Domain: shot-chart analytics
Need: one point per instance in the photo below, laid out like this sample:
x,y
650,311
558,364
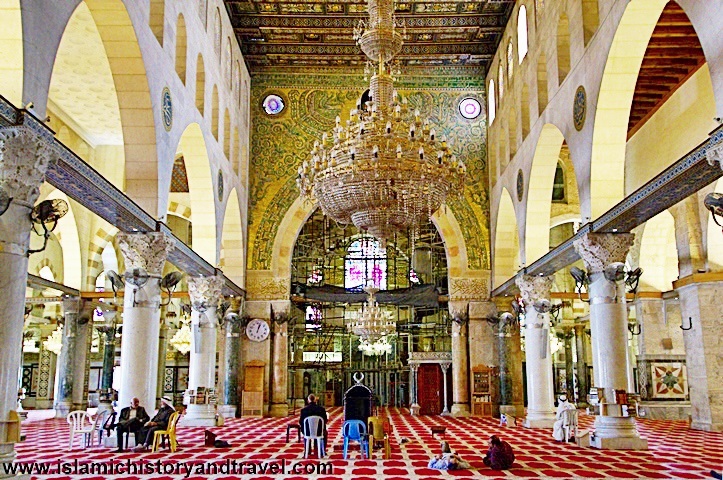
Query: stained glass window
x,y
365,264
273,104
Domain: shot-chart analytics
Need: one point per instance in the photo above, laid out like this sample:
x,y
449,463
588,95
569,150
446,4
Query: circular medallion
x,y
167,109
273,104
520,185
579,108
470,108
220,185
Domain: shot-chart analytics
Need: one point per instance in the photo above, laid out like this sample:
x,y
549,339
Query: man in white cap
x,y
158,422
558,433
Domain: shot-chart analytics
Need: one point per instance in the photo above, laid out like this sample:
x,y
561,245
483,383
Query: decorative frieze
x,y
461,289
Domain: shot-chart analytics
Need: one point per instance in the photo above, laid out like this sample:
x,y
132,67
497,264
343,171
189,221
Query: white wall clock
x,y
257,330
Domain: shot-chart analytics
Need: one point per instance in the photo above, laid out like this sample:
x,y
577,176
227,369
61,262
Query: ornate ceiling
x,y
443,37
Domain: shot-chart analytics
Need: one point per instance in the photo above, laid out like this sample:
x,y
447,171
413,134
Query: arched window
x,y
522,33
491,102
501,80
365,264
558,185
510,61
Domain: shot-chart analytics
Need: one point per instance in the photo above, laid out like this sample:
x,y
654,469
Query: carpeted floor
x,y
675,452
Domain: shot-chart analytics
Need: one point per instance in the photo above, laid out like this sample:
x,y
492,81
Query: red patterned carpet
x,y
675,452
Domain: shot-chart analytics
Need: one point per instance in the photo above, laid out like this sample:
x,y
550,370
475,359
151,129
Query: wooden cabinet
x,y
252,398
482,392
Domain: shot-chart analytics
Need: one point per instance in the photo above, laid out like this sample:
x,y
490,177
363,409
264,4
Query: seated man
x,y
131,420
448,460
558,432
499,456
158,422
313,409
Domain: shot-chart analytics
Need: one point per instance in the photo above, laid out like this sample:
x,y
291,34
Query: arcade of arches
x,y
173,132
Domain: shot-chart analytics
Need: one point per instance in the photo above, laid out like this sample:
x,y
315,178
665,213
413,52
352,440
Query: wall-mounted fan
x,y
116,283
46,214
138,278
169,283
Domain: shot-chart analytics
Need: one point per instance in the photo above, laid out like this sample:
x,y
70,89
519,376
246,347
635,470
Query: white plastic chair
x,y
99,423
315,427
80,423
569,423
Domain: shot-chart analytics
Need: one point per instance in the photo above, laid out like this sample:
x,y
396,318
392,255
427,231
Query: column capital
x,y
714,155
598,250
145,250
205,290
534,288
445,366
25,156
71,305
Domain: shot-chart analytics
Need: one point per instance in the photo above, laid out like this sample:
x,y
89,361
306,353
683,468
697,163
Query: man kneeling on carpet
x,y
500,455
158,422
448,460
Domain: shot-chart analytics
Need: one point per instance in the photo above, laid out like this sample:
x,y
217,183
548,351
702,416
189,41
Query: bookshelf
x,y
481,392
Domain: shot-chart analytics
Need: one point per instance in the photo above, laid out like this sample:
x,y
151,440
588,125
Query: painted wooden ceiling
x,y
443,37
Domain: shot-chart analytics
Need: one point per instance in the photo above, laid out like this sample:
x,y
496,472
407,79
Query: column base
x,y
414,409
7,455
706,426
460,410
63,409
517,411
199,416
299,403
539,421
619,443
227,411
279,410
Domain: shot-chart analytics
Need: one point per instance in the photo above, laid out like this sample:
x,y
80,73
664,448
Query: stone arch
x,y
539,193
506,242
217,32
522,40
607,167
156,19
201,191
181,47
100,239
563,48
11,51
228,63
590,19
658,254
541,83
67,234
237,81
233,256
200,85
214,112
227,135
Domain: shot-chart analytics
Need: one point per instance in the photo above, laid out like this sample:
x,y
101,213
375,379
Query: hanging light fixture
x,y
385,170
372,323
181,341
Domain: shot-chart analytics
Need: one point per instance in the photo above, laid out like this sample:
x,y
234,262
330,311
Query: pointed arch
x,y
155,19
200,85
217,33
11,51
541,83
539,193
227,135
658,254
181,48
214,112
200,185
590,19
522,42
506,242
563,48
492,107
232,241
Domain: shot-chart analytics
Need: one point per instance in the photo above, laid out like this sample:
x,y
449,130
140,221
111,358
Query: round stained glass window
x,y
273,104
470,108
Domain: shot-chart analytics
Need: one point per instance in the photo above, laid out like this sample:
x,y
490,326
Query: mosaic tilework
x,y
675,451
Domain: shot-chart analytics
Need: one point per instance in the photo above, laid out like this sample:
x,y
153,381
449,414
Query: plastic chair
x,y
80,423
379,432
355,430
313,431
569,423
170,431
100,424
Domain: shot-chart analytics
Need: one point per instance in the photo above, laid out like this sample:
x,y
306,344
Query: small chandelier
x,y
181,341
54,343
376,349
373,323
385,171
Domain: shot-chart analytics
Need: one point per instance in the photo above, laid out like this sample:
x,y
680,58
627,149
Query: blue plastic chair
x,y
356,430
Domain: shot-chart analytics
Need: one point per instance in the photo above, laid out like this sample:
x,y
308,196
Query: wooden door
x,y
429,389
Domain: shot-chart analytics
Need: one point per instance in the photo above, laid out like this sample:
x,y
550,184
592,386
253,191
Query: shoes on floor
x,y
140,448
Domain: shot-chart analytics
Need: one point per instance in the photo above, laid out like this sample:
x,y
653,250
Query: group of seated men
x,y
135,419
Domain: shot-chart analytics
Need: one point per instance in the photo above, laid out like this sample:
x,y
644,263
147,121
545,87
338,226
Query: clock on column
x,y
257,330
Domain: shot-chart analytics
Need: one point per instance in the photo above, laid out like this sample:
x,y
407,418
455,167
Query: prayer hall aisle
x,y
675,451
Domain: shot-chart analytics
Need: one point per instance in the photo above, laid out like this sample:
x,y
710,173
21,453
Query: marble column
x,y
510,359
567,336
280,363
604,255
700,307
581,366
64,399
81,356
233,329
460,354
205,293
162,351
26,151
299,376
414,406
445,368
46,370
106,383
141,317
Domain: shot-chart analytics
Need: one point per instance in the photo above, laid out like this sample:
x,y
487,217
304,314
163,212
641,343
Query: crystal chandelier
x,y
181,341
376,349
373,323
385,170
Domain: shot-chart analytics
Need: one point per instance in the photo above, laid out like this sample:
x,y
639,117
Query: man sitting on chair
x,y
158,422
313,409
558,432
131,420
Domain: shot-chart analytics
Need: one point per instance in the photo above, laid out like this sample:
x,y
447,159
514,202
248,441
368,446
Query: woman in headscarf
x,y
500,455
